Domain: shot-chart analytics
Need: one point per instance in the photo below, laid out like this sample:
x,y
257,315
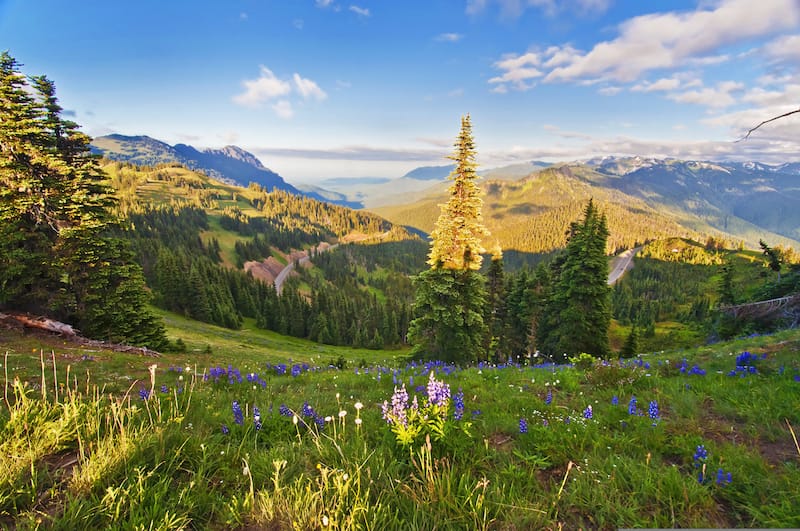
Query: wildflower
x,y
587,413
614,400
238,414
144,394
523,425
284,411
700,455
545,423
307,410
342,414
549,398
652,411
632,406
397,413
438,392
358,406
225,429
358,421
257,418
164,389
722,479
458,404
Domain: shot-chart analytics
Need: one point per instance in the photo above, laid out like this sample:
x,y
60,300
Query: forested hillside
x,y
193,235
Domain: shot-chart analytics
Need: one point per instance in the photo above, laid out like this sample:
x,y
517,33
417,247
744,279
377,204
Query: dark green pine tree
x,y
495,318
58,257
451,296
579,309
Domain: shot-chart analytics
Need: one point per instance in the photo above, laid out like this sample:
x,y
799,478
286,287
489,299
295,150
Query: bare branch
x,y
745,137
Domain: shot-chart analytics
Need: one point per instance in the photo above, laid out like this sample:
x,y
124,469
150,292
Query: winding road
x,y
284,274
620,264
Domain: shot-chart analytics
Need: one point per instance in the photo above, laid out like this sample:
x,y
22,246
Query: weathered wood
x,y
42,323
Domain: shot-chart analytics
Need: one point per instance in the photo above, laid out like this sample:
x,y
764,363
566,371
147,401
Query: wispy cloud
x,y
357,153
716,97
283,108
269,87
308,89
360,11
511,9
264,88
448,37
323,3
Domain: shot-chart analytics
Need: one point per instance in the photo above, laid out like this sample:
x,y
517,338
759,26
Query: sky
x,y
338,88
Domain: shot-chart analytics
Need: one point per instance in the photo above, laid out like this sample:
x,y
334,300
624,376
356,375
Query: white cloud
x,y
269,87
284,109
609,91
662,84
718,97
515,8
360,11
784,48
266,87
670,40
518,69
448,37
323,3
308,89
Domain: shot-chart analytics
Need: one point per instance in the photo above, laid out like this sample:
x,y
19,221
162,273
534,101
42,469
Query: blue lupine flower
x,y
284,411
549,398
587,413
723,478
307,410
164,389
567,420
523,425
700,455
796,378
144,394
476,412
652,410
225,429
458,404
257,418
238,414
632,406
614,400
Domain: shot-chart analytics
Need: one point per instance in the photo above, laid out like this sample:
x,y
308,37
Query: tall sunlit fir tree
x,y
451,295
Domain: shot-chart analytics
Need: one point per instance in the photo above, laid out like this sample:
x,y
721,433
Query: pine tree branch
x,y
784,115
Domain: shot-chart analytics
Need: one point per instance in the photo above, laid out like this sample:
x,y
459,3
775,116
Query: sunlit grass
x,y
102,456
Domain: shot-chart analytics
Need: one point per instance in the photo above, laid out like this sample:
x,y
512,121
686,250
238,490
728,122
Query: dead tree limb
x,y
784,115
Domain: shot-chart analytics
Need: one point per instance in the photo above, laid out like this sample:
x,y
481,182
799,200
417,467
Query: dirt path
x,y
286,271
620,264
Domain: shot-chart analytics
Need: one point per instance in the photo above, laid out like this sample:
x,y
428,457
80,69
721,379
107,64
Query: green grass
x,y
99,456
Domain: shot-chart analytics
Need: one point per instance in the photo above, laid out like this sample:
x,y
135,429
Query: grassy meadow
x,y
252,430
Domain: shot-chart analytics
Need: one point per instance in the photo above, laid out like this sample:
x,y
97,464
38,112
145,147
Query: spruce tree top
x,y
456,240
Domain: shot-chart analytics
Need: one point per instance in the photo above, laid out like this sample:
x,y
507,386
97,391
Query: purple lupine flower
x,y
307,410
284,411
397,412
438,392
523,425
614,400
144,394
549,398
164,389
723,478
225,429
238,414
587,413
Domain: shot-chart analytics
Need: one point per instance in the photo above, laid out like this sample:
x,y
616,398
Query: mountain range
x,y
744,201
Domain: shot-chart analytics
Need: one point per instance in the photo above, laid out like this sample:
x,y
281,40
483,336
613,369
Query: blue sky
x,y
330,88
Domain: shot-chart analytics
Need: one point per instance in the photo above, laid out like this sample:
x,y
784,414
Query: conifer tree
x,y
56,253
451,295
579,309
